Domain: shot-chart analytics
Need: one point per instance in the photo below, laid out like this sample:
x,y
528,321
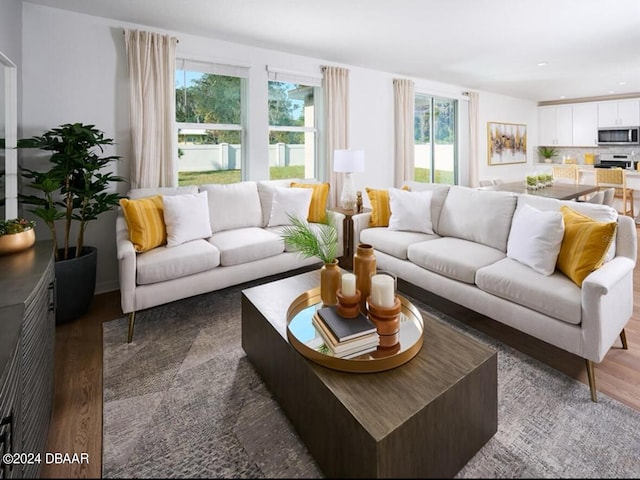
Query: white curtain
x,y
404,108
335,82
474,162
151,65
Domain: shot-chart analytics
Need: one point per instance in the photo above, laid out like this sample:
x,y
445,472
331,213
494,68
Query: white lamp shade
x,y
348,160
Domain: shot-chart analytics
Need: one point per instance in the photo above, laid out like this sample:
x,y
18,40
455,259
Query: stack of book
x,y
345,337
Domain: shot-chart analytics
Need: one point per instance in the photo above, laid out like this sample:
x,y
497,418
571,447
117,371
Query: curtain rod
x,y
124,33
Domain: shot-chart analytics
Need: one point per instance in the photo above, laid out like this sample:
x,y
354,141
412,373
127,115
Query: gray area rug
x,y
183,401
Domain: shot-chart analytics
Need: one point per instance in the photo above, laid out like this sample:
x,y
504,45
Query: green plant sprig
x,y
15,225
321,241
548,152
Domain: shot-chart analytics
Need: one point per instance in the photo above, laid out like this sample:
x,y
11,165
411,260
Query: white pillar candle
x,y
382,291
348,284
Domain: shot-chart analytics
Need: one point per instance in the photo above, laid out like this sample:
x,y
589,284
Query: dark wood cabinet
x,y
27,341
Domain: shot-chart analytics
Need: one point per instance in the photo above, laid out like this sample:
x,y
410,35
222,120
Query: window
x,y
293,120
210,113
435,118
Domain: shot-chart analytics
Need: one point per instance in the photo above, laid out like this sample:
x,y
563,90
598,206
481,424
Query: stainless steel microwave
x,y
619,136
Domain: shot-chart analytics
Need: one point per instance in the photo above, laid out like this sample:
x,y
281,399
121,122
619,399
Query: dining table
x,y
559,190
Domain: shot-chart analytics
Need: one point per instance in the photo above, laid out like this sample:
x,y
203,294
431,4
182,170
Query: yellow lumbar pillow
x,y
318,206
145,221
380,206
584,245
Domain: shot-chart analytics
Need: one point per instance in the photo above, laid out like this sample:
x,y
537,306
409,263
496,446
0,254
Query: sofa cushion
x,y
453,257
318,207
555,295
600,213
584,245
481,216
292,201
535,238
145,222
236,205
438,195
246,245
266,189
164,263
392,242
410,211
186,217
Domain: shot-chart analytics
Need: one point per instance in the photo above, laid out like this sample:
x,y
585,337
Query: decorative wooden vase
x,y
348,306
16,242
330,279
364,265
387,321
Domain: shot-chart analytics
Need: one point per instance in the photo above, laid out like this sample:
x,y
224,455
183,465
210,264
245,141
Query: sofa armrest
x,y
627,238
126,265
360,222
607,306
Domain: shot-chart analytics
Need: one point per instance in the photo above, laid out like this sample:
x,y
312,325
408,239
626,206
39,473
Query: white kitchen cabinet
x,y
555,125
585,124
620,113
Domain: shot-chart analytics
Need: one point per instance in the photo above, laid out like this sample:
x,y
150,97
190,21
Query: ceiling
x,y
591,47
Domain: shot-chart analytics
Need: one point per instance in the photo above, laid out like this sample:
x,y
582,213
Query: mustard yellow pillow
x,y
584,245
145,222
318,206
380,206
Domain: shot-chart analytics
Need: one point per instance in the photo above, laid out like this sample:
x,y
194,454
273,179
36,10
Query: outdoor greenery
x,y
75,187
233,176
321,242
443,120
441,176
15,225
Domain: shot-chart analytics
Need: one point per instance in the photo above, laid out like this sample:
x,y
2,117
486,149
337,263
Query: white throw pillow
x,y
186,217
535,238
410,211
293,200
233,205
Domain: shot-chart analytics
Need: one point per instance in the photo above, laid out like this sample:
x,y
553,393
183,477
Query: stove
x,y
615,160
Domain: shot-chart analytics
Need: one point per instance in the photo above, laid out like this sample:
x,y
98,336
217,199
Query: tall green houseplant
x,y
74,187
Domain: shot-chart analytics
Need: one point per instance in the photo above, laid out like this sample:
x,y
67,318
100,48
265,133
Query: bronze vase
x,y
364,265
330,281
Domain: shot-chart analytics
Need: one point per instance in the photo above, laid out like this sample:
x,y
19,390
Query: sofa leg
x,y
132,317
592,380
623,339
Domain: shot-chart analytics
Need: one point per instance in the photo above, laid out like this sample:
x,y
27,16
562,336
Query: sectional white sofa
x,y
465,261
242,247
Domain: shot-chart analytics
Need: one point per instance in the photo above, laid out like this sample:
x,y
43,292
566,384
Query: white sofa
x,y
465,261
242,247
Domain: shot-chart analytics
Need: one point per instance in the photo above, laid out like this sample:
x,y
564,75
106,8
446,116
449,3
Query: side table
x,y
346,261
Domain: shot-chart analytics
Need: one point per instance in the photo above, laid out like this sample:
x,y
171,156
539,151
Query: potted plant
x,y
547,153
319,240
16,234
73,191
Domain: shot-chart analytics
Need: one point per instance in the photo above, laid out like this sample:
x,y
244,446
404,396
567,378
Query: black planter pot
x,y
75,283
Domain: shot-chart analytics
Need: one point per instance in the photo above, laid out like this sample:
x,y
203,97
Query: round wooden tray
x,y
303,337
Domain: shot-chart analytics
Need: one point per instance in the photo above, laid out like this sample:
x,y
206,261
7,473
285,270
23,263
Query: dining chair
x,y
597,197
608,196
485,183
617,179
566,173
497,181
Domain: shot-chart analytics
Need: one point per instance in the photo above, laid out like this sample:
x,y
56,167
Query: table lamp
x,y
348,161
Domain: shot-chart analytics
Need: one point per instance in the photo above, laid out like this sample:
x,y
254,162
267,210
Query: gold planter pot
x,y
16,242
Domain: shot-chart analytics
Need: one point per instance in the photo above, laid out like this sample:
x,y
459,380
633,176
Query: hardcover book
x,y
346,328
371,339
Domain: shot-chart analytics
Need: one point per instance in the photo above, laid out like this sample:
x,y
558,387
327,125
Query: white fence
x,y
225,156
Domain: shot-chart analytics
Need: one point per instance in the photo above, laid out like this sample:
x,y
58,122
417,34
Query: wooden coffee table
x,y
426,418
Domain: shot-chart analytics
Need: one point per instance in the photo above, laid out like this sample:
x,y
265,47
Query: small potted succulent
x,y
547,153
16,234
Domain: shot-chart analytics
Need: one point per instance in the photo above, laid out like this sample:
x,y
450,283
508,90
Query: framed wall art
x,y
507,143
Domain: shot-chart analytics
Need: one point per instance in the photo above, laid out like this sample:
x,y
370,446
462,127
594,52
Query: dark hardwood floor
x,y
76,426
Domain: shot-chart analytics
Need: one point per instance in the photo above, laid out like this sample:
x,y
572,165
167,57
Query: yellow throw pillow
x,y
318,206
380,206
584,245
145,221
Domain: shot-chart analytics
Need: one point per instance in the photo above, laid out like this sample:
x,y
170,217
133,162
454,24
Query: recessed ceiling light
x,y
563,96
611,92
622,83
542,64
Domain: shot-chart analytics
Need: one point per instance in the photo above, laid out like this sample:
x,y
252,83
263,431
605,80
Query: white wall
x,y
75,70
